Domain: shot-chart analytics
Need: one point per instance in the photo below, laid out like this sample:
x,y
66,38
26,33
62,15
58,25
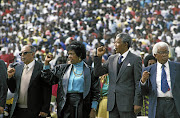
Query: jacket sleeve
x,y
137,76
95,87
52,76
144,88
100,69
47,91
3,84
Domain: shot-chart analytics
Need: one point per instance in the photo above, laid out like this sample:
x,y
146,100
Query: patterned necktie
x,y
164,83
120,59
26,69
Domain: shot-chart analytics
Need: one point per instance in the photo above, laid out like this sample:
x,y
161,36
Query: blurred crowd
x,y
50,25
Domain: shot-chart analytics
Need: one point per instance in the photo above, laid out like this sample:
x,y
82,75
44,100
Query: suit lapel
x,y
87,80
153,71
65,79
124,65
172,69
19,70
35,72
115,63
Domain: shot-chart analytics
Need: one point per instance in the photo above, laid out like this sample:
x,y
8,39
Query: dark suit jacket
x,y
3,83
125,84
39,93
60,75
150,88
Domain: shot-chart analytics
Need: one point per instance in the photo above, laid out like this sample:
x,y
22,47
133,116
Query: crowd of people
x,y
50,26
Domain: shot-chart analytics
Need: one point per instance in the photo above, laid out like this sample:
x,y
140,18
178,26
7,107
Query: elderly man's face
x,y
162,55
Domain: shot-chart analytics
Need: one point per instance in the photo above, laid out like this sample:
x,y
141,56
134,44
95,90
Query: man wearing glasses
x,y
161,83
32,96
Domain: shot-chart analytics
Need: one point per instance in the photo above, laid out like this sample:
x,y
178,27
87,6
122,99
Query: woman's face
x,y
150,62
73,58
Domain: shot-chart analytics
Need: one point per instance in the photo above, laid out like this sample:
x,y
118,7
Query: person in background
x,y
102,110
5,57
148,60
78,90
3,86
31,95
161,82
124,70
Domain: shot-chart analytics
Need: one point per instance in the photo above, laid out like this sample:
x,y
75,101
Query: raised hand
x,y
145,76
11,72
100,51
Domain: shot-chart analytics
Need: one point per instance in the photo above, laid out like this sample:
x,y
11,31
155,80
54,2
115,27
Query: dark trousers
x,y
166,108
24,113
115,113
73,107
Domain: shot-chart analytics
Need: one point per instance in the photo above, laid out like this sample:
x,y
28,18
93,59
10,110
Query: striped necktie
x,y
164,83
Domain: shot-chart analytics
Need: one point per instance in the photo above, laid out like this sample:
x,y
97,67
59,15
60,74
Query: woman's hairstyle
x,y
79,48
125,38
157,45
147,58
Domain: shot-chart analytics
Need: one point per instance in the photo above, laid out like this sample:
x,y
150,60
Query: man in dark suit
x,y
161,83
124,69
32,96
3,86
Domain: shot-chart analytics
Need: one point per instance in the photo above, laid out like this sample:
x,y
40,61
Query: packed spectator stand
x,y
50,25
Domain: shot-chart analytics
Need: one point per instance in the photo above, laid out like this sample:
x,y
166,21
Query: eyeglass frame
x,y
163,52
24,53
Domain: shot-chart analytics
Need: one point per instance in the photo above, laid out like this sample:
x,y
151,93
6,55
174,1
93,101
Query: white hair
x,y
158,45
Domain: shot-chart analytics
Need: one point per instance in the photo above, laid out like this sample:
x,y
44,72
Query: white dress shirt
x,y
158,80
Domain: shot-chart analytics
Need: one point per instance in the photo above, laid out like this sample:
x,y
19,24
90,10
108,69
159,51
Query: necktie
x,y
164,83
120,59
26,69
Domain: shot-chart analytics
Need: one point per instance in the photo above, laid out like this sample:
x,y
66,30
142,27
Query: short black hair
x,y
147,58
79,48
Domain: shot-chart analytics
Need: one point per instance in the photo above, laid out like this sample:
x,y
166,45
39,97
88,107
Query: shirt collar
x,y
78,64
30,65
159,65
124,54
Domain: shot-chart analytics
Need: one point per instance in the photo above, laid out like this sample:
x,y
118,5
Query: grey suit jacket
x,y
123,88
150,88
3,83
39,93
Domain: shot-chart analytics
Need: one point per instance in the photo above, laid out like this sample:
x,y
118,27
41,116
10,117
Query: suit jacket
x,y
150,88
39,93
123,87
60,75
3,83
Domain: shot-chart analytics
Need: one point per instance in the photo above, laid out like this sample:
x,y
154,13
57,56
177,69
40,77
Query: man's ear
x,y
155,55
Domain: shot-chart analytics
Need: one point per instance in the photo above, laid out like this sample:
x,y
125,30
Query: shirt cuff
x,y
143,83
94,104
46,67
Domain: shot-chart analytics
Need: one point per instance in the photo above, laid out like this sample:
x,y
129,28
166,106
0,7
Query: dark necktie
x,y
164,83
119,64
120,59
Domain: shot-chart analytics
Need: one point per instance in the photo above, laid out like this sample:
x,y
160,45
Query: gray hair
x,y
157,45
125,38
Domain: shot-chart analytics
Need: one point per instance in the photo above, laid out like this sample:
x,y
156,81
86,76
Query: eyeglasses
x,y
24,53
163,52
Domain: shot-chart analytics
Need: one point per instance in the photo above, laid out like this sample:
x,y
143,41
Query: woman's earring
x,y
79,59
